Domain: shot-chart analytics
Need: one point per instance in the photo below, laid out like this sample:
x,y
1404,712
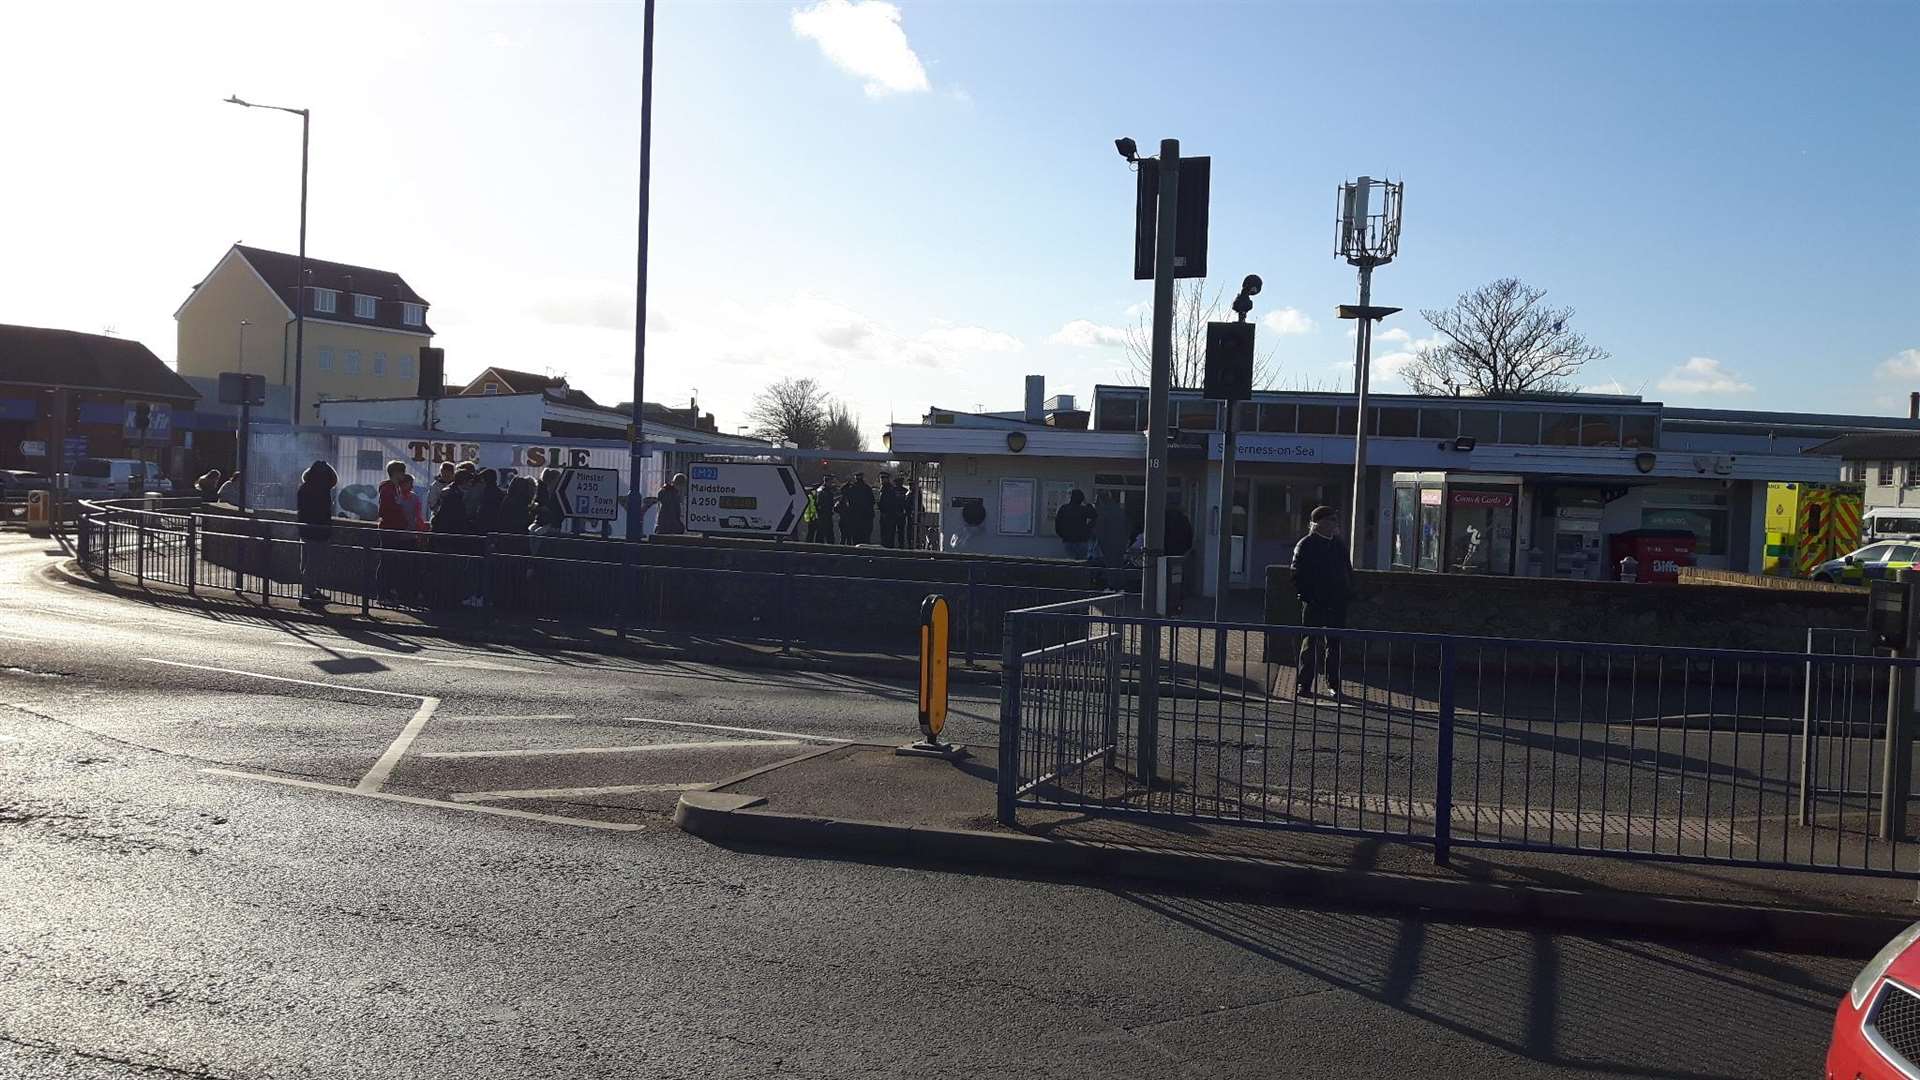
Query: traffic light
x,y
142,415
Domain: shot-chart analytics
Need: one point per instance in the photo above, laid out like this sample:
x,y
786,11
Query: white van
x,y
96,477
1890,523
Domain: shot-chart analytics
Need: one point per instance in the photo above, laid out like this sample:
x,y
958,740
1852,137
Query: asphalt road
x,y
343,898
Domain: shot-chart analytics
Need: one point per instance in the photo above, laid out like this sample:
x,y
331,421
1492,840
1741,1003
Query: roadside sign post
x,y
936,641
591,493
743,498
246,391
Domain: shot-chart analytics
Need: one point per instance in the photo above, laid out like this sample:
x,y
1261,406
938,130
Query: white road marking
x,y
415,800
383,768
278,678
530,716
573,792
636,749
746,730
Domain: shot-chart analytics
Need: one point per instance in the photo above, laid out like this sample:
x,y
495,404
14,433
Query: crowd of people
x,y
1109,536
845,513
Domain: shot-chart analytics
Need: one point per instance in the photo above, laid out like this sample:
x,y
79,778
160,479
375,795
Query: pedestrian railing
x,y
1763,759
596,583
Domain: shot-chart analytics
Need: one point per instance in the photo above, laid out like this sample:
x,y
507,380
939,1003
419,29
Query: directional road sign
x,y
591,493
743,498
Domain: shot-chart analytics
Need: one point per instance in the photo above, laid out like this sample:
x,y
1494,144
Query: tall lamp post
x,y
638,438
1366,238
300,283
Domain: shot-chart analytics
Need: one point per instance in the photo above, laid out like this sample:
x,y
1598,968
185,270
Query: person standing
x,y
821,505
208,486
893,513
516,510
672,519
1112,531
412,504
486,515
230,490
313,507
1323,579
1073,524
442,483
393,517
856,511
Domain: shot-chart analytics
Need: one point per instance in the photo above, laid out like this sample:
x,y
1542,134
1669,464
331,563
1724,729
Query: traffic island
x,y
868,804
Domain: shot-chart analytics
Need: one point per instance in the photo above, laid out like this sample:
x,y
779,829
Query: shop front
x,y
1459,523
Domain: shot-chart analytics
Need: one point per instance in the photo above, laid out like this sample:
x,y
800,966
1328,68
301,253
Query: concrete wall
x,y
1699,615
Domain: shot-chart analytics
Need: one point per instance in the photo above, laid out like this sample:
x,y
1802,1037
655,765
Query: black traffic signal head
x,y
1128,149
142,415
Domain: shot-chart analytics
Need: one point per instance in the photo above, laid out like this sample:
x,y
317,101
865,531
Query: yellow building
x,y
364,327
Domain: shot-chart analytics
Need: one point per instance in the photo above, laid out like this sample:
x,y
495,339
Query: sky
x,y
917,203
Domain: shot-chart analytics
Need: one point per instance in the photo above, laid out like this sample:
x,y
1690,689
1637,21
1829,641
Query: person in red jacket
x,y
394,516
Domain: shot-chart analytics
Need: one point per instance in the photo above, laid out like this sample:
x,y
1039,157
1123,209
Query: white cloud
x,y
1395,336
970,339
864,39
1904,364
1288,321
1703,375
1086,334
1390,365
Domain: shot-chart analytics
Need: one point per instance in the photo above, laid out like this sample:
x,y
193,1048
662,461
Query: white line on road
x,y
637,749
278,678
573,792
383,768
415,800
488,718
746,730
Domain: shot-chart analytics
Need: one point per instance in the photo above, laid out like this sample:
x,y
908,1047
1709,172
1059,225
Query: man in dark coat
x,y
856,511
1073,524
1322,578
893,513
313,507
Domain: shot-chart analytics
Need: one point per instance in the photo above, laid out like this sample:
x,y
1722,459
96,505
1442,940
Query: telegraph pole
x,y
1166,219
639,438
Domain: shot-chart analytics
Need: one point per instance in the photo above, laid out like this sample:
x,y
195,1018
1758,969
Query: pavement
x,y
246,845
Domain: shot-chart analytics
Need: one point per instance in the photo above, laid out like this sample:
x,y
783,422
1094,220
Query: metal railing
x,y
1763,759
595,583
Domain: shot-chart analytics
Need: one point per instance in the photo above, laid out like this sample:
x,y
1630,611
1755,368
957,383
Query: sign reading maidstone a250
x,y
743,498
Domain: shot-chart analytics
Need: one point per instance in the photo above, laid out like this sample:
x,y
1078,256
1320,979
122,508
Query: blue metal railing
x,y
1645,752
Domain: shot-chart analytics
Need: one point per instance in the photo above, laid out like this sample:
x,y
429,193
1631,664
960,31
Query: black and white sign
x,y
33,447
591,493
743,498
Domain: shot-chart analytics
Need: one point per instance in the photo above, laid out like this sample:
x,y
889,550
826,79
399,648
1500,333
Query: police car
x,y
1873,561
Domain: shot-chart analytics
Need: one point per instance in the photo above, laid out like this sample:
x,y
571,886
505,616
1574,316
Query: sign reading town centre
x,y
591,493
743,498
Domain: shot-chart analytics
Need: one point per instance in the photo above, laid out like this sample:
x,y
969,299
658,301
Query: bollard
x,y
1009,778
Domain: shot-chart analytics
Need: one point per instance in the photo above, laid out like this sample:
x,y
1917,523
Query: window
x,y
1118,413
1016,507
1439,423
1560,429
350,362
1481,425
1196,415
1277,418
326,359
1520,428
1902,553
326,301
490,388
364,306
379,363
413,314
1883,475
1855,472
1639,432
1872,554
1597,430
1399,423
404,364
1317,419
1913,472
1709,527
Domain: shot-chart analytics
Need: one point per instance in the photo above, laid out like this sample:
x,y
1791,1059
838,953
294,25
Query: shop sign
x,y
1430,497
1490,499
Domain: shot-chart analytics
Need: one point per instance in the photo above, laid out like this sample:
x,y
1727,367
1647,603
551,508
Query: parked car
x,y
102,477
1873,561
1876,1029
1891,523
15,483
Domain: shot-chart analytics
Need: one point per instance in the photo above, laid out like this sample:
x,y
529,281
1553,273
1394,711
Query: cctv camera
x,y
1128,149
1251,286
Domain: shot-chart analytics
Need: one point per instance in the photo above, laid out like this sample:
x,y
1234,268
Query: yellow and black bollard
x,y
935,643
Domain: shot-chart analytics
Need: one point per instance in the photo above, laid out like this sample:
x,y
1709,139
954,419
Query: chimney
x,y
1036,399
1913,405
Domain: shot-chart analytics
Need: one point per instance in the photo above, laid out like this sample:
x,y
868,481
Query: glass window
x,y
1902,553
1599,430
1480,539
1482,425
1317,420
325,301
1277,418
1639,431
1709,527
379,363
1560,429
404,364
1883,475
1245,416
1196,415
1347,414
326,359
1431,513
364,307
1855,472
1520,428
1119,413
413,314
350,362
1406,526
1439,423
1872,553
1399,423
1016,507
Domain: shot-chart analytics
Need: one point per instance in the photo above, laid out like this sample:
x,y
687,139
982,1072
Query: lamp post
x,y
1366,239
300,282
638,438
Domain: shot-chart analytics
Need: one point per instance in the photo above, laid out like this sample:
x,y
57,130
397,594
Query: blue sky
x,y
919,202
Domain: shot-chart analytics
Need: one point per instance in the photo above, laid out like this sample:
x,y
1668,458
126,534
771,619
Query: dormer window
x,y
326,301
413,314
490,388
364,306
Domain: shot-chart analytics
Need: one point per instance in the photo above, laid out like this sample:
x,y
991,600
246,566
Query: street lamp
x,y
300,282
640,278
1366,238
241,351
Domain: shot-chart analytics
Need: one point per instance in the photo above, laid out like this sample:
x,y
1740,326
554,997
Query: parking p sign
x,y
591,493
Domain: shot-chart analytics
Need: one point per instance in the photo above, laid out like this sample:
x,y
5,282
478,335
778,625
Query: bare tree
x,y
1500,339
842,429
791,410
1193,309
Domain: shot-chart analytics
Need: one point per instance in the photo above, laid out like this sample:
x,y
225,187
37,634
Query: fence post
x,y
140,548
1807,736
786,607
107,563
1009,719
973,613
1443,768
1110,734
369,573
623,585
486,571
265,545
193,556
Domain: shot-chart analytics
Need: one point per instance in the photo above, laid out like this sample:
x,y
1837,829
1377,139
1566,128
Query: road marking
x,y
530,716
383,768
278,678
640,748
415,800
573,792
747,730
